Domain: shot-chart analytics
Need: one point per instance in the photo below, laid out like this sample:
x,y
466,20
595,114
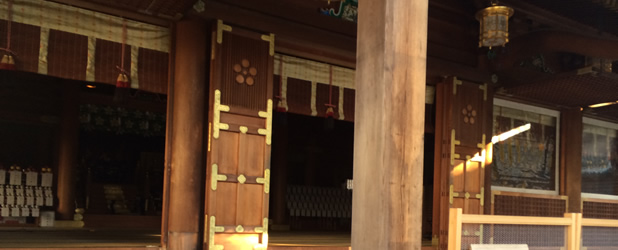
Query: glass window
x,y
599,157
524,155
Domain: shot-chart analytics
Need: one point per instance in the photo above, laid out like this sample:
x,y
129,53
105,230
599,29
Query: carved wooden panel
x,y
245,69
240,131
463,122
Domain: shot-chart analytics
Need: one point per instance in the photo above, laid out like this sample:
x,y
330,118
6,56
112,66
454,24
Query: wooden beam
x,y
187,139
100,99
290,12
169,125
549,18
285,30
389,127
68,148
571,127
133,15
514,220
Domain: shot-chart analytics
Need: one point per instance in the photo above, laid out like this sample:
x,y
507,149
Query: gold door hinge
x,y
482,145
241,179
243,129
452,194
220,28
483,152
264,228
453,144
265,180
209,135
268,114
480,234
493,196
216,117
271,39
455,83
481,196
216,177
212,229
484,89
264,231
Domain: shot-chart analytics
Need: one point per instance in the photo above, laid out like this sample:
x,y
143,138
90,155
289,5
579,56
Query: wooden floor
x,y
308,240
42,238
140,239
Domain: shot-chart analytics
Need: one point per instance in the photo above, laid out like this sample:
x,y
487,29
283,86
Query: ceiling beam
x,y
550,18
284,29
159,21
289,11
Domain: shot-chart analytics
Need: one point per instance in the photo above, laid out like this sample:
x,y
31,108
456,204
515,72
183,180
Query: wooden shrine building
x,y
229,123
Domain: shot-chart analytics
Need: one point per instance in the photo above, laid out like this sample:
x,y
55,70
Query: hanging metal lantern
x,y
494,25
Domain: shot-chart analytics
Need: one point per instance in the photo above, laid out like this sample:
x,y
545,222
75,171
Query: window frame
x,y
607,125
542,111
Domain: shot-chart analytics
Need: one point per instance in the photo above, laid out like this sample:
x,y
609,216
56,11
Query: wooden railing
x,y
571,221
545,205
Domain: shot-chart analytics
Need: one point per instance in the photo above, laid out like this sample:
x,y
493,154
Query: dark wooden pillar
x,y
571,127
185,184
389,124
67,151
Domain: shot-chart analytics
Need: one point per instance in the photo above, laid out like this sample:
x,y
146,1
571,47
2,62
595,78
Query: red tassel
x,y
330,113
7,62
122,81
123,88
281,107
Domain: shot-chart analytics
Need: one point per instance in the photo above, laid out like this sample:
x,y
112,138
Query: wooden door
x,y
463,131
240,118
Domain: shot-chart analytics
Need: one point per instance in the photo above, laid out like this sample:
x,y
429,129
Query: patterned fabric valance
x,y
64,41
304,87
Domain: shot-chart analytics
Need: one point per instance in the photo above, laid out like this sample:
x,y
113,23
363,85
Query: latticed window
x,y
525,140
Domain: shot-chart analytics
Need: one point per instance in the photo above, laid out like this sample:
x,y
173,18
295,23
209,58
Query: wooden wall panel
x,y
67,55
299,102
107,56
152,70
321,99
250,207
24,43
251,158
226,200
349,97
571,127
227,152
